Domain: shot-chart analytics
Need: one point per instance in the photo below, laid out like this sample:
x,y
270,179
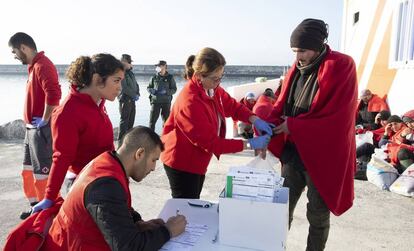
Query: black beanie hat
x,y
384,114
309,34
394,118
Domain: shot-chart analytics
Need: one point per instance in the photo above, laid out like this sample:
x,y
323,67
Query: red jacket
x,y
325,135
81,131
247,103
42,87
192,135
393,149
377,134
396,144
73,227
31,233
263,109
395,137
375,104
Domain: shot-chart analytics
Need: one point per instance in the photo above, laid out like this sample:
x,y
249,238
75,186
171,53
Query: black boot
x,y
361,170
26,214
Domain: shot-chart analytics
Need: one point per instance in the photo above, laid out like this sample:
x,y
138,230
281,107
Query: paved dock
x,y
379,220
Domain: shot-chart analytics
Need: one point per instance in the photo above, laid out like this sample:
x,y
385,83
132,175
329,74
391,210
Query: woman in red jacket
x,y
81,128
196,128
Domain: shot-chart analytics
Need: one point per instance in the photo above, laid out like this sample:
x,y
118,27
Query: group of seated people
x,y
392,133
262,107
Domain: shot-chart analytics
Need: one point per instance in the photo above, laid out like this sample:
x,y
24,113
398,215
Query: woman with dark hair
x,y
196,130
81,128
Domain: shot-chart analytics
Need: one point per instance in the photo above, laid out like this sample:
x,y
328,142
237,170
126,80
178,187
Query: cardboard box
x,y
253,224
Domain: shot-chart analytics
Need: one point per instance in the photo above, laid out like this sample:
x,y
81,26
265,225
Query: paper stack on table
x,y
255,184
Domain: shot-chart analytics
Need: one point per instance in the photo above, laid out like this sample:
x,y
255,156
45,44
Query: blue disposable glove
x,y
259,142
263,127
136,98
43,204
152,91
39,122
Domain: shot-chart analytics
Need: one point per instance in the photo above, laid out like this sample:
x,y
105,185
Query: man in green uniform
x,y
161,88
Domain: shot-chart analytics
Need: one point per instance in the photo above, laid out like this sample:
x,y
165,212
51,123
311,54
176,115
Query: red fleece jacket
x,y
42,87
192,135
325,135
81,131
31,233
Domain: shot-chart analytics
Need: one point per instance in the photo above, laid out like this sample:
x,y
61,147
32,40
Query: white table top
x,y
198,215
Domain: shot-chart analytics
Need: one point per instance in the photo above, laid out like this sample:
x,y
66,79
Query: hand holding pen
x,y
176,224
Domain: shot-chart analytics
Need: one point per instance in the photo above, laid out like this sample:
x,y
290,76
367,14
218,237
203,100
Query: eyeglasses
x,y
214,79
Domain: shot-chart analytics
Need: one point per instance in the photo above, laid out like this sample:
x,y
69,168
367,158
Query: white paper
x,y
186,240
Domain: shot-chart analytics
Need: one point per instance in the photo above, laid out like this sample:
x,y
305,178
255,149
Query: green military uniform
x,y
161,89
127,98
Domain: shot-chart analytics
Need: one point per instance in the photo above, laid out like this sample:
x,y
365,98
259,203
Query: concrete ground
x,y
379,220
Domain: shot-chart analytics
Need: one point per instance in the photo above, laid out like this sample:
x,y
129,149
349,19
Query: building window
x,y
356,17
402,52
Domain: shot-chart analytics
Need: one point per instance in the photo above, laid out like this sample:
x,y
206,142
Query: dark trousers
x,y
405,159
365,150
164,108
318,215
36,162
38,150
127,111
184,184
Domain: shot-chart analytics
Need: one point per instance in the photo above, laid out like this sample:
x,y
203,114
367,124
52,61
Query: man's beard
x,y
19,55
22,59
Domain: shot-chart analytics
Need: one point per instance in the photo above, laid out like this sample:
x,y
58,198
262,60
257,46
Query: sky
x,y
246,32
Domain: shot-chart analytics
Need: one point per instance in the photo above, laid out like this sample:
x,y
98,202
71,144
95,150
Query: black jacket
x,y
130,87
161,88
106,202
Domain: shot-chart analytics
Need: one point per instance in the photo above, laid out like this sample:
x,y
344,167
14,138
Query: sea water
x,y
13,88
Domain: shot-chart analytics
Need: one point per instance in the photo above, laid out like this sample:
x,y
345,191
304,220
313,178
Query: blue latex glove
x,y
136,98
263,127
152,91
259,142
39,122
43,204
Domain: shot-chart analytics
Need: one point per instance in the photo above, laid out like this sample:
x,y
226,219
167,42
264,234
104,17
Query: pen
x,y
199,204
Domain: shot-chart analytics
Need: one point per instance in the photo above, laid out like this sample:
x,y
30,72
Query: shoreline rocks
x,y
15,130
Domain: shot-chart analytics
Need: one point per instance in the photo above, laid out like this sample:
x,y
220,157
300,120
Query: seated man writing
x,y
97,213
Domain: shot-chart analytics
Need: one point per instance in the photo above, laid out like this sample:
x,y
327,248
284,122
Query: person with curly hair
x,y
81,127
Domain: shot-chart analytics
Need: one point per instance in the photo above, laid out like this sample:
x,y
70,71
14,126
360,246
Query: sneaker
x,y
26,214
